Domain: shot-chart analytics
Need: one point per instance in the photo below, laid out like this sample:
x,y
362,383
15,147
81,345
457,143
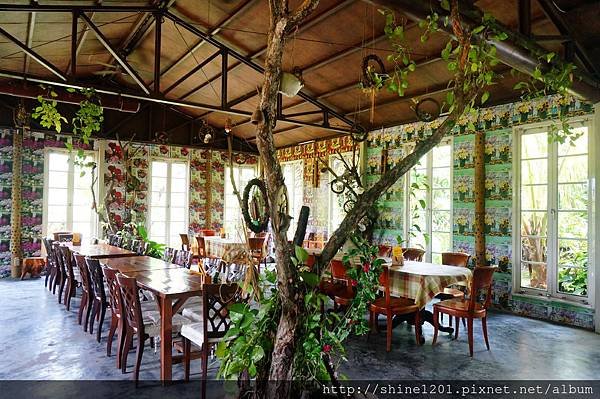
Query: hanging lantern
x,y
20,115
291,82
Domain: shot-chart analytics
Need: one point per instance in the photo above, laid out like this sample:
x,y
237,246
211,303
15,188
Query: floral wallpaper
x,y
497,123
5,199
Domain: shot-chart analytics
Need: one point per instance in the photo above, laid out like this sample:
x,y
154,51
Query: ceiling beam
x,y
79,44
29,39
189,53
31,53
102,39
35,7
191,72
303,28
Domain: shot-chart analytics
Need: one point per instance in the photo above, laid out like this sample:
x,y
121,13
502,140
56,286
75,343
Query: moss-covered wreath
x,y
260,225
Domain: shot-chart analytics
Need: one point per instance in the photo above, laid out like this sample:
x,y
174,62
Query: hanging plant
x,y
46,111
259,220
89,117
427,109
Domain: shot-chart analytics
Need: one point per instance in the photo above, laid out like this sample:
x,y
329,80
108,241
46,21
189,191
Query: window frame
x,y
333,196
406,228
294,213
70,189
227,176
552,261
186,221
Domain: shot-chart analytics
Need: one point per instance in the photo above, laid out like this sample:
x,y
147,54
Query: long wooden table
x,y
172,287
138,263
100,251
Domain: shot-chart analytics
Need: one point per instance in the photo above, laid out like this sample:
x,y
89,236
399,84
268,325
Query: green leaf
x,y
478,29
257,354
301,253
310,278
445,4
450,97
485,96
238,308
452,66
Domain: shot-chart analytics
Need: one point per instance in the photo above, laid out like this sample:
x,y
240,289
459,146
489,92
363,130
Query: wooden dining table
x,y
216,246
100,251
172,287
138,263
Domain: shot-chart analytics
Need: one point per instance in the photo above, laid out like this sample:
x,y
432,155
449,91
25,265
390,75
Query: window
x,y
232,218
293,175
68,195
429,184
554,198
168,201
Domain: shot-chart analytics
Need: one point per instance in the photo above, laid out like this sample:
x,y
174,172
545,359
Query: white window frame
x,y
227,176
186,222
552,293
333,196
70,188
429,202
291,188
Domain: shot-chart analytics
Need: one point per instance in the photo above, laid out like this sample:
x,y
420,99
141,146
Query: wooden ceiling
x,y
328,48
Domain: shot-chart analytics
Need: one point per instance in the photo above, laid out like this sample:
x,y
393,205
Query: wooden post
x,y
479,191
15,219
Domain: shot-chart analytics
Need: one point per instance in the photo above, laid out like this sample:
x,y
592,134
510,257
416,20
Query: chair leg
x,y
388,344
100,322
470,331
205,349
485,336
88,311
114,321
93,316
82,306
457,324
126,346
463,321
47,276
120,341
70,293
436,325
418,329
138,359
186,359
61,288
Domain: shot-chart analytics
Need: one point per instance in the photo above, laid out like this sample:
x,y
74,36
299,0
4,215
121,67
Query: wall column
x,y
208,214
15,219
479,191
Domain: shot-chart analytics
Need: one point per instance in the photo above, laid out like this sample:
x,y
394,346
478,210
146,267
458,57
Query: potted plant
x,y
373,166
463,121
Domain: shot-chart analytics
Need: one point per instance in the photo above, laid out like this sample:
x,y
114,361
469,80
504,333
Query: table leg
x,y
166,330
426,316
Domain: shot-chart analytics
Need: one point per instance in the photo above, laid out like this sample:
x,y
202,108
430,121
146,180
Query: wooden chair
x,y
459,259
337,284
50,263
469,308
61,272
183,258
258,248
64,237
185,242
87,296
216,301
385,251
391,306
143,324
169,254
414,254
70,285
99,301
117,322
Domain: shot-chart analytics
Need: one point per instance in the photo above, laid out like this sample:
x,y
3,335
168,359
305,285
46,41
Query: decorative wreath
x,y
427,115
337,186
367,77
358,133
260,225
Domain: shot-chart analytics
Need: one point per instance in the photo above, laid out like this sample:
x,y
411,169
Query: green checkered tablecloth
x,y
217,246
422,281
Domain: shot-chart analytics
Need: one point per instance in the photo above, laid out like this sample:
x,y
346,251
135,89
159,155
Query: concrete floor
x,y
42,341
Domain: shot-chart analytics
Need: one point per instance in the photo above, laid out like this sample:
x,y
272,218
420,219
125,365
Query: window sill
x,y
549,300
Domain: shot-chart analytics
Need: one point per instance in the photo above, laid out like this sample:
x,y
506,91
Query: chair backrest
x,y
483,277
96,278
201,246
217,299
414,254
143,248
47,245
66,256
169,254
185,241
134,244
257,244
338,270
58,259
385,251
384,280
455,259
183,258
310,261
118,241
206,233
131,302
114,293
64,237
86,283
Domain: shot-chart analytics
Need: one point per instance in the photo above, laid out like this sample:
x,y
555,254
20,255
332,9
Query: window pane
x,y
534,145
57,213
158,199
159,184
573,196
178,214
534,249
158,229
573,169
82,197
158,214
573,281
573,264
441,199
178,185
176,229
82,213
440,221
57,196
178,199
533,275
534,197
572,225
442,155
54,227
58,161
179,171
579,146
159,169
534,171
534,223
441,178
440,242
58,179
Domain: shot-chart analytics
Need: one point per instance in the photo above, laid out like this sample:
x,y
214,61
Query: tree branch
x,y
303,11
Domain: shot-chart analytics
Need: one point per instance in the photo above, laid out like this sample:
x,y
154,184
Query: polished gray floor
x,y
40,340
